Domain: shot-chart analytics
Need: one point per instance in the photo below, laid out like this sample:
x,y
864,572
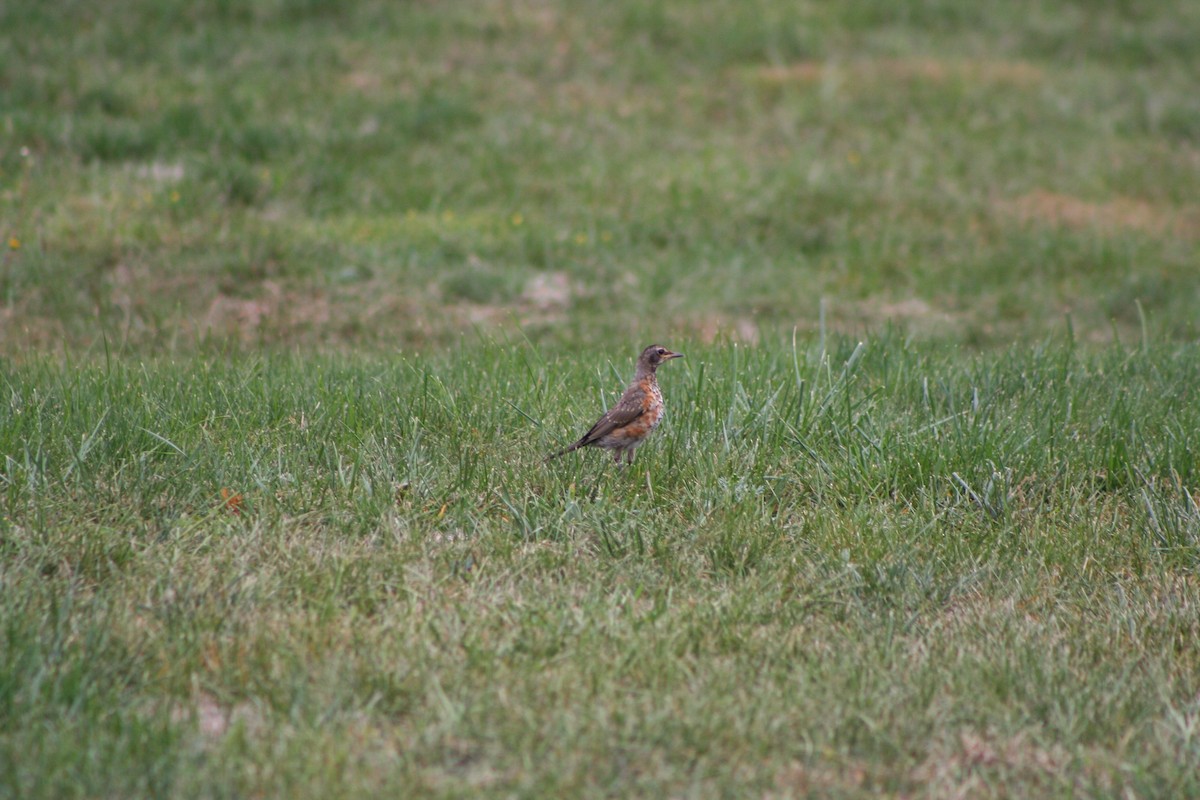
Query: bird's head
x,y
654,355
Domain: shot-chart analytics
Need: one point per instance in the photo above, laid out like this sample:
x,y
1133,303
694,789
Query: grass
x,y
872,569
361,176
296,295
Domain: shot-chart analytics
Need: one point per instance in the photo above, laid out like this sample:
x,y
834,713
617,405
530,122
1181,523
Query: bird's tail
x,y
562,452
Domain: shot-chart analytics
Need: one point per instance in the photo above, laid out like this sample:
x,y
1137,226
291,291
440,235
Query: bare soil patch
x,y
906,70
1118,215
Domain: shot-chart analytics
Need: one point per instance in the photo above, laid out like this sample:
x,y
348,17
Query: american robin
x,y
627,424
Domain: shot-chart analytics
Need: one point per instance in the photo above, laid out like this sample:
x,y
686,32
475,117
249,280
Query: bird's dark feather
x,y
627,409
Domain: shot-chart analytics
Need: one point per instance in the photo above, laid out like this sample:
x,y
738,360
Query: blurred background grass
x,y
321,175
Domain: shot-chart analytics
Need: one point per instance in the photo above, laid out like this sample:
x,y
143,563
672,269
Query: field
x,y
296,296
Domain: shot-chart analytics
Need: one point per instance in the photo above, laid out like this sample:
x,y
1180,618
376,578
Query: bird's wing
x,y
627,409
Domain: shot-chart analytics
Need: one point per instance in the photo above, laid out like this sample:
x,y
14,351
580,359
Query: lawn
x,y
298,294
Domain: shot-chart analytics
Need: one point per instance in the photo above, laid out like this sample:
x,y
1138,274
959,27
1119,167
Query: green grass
x,y
361,175
296,295
873,569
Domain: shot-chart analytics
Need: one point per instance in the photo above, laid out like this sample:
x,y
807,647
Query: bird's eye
x,y
662,351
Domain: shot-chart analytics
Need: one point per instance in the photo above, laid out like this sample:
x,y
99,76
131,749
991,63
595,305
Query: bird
x,y
626,425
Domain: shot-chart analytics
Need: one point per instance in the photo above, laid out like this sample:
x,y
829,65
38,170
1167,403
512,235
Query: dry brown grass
x,y
905,70
1112,217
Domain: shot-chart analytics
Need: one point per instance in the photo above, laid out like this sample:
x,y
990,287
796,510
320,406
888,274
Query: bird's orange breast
x,y
652,406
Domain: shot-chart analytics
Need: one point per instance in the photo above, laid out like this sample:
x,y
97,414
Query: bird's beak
x,y
671,355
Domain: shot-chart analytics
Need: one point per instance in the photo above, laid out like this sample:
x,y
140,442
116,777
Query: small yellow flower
x,y
174,197
14,243
581,238
606,236
853,157
517,219
447,216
